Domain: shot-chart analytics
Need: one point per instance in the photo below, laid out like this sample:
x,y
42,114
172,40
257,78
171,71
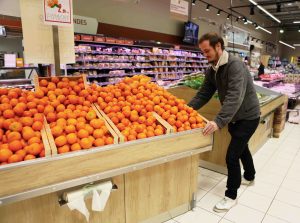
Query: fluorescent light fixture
x,y
253,2
265,11
267,31
249,21
219,12
228,17
194,2
281,31
296,22
288,45
296,44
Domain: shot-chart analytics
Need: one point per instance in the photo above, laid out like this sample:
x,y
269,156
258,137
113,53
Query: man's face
x,y
208,51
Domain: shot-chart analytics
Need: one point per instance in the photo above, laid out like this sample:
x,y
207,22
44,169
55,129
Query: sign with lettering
x,y
85,25
179,9
58,12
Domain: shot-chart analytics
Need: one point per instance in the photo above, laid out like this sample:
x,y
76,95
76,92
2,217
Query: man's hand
x,y
210,128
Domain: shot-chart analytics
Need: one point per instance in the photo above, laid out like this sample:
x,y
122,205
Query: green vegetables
x,y
194,82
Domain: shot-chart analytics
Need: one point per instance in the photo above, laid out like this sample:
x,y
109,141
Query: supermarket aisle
x,y
275,197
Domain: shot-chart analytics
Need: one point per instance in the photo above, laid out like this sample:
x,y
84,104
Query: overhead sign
x,y
85,24
58,12
179,9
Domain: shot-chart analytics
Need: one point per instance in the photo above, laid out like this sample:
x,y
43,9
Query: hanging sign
x,y
85,25
179,9
58,12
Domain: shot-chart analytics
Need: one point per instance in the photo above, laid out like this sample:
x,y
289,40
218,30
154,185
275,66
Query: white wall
x,y
151,15
10,7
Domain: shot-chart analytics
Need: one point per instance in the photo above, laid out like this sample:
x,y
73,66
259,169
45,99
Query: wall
x,y
151,15
11,45
10,7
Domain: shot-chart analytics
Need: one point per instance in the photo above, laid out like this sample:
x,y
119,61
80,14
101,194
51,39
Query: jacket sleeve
x,y
204,94
235,94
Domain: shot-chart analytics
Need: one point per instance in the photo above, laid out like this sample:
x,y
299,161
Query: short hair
x,y
213,39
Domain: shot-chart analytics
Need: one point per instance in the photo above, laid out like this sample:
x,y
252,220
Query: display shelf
x,y
130,68
137,61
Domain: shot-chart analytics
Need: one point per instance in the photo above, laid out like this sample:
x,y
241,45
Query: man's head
x,y
212,46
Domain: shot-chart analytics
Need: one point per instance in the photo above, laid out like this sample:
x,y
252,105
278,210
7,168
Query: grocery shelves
x,y
130,68
137,61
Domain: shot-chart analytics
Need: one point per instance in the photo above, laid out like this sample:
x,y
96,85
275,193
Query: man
x,y
240,110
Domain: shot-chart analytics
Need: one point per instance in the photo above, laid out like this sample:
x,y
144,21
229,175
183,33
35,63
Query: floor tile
x,y
291,184
212,174
170,221
220,189
270,178
271,219
243,214
198,215
255,201
225,221
200,193
209,201
284,211
262,188
206,183
289,197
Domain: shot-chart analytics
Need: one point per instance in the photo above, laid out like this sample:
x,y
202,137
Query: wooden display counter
x,y
155,179
215,159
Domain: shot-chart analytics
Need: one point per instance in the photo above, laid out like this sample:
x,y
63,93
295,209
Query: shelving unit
x,y
107,63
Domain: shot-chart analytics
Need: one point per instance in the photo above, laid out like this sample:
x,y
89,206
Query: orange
x,y
158,132
29,157
43,83
91,115
8,114
82,133
15,127
15,145
18,110
89,128
38,117
99,142
5,154
14,158
34,149
63,149
31,105
48,109
150,134
86,143
97,123
60,141
37,126
171,121
70,129
21,153
131,137
51,117
192,120
34,140
71,138
61,122
56,131
75,147
141,136
80,125
71,121
178,124
98,133
13,136
109,141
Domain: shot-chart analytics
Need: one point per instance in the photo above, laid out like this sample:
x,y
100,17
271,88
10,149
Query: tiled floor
x,y
275,197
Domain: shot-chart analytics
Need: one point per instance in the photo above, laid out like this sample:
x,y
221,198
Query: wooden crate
x,y
51,138
36,79
169,129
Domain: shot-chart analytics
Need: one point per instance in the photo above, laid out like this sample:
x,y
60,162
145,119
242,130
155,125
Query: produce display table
x,y
155,179
215,159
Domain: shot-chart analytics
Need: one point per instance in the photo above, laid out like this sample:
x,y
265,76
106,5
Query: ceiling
x,y
288,13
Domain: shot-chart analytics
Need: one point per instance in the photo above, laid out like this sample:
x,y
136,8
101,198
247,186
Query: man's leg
x,y
248,164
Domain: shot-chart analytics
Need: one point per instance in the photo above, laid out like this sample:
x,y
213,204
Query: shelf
x,y
136,61
130,68
17,68
133,54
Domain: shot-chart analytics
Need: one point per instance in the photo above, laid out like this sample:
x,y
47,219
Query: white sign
x,y
85,24
58,12
10,60
179,9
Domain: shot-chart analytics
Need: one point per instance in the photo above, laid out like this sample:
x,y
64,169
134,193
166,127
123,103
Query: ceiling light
x,y
245,21
296,22
219,12
259,27
207,7
286,44
296,44
228,17
194,2
289,4
265,11
281,31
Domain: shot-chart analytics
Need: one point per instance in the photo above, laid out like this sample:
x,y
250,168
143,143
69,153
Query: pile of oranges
x,y
130,104
73,122
21,122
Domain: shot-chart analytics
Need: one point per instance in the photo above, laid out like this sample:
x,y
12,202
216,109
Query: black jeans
x,y
240,131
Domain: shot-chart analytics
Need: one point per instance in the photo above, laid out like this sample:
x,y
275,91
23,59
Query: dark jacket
x,y
236,92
